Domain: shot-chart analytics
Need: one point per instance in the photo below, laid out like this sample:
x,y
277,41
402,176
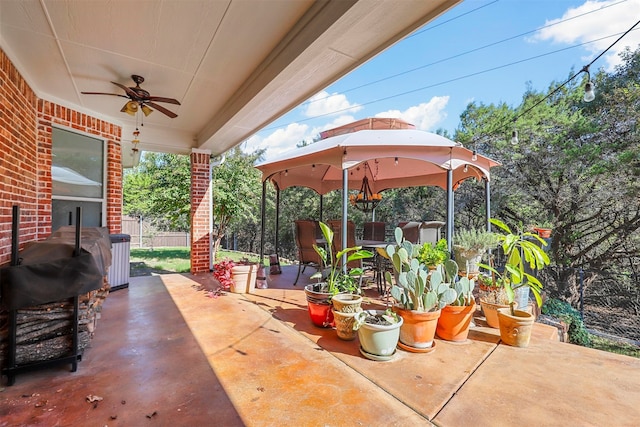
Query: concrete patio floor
x,y
166,354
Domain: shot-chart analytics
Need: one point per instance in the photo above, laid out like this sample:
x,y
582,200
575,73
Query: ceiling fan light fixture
x,y
146,110
131,108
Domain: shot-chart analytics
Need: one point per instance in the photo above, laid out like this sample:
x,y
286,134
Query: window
x,y
78,178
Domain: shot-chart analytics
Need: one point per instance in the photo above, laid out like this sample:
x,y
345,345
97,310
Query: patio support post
x,y
487,201
450,210
263,215
345,201
277,234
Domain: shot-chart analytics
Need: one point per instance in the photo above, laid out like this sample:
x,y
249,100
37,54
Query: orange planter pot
x,y
454,322
544,233
490,311
418,328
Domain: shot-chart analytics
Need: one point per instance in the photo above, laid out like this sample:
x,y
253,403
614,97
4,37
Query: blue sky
x,y
487,51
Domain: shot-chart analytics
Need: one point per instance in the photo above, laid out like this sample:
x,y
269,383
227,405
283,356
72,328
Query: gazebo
x,y
384,153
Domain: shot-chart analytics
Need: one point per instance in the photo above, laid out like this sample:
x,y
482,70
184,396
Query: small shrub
x,y
563,310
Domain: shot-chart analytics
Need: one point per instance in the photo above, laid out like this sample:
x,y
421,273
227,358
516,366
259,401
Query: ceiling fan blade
x,y
161,99
162,109
103,93
129,92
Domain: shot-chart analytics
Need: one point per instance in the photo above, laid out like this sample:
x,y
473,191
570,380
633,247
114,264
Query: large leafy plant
x,y
521,249
336,278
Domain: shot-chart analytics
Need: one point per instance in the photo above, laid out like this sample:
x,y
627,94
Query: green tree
x,y
159,191
237,193
575,165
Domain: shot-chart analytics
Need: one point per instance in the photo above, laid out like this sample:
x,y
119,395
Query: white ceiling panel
x,y
235,65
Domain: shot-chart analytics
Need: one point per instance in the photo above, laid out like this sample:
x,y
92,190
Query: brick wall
x,y
25,158
200,214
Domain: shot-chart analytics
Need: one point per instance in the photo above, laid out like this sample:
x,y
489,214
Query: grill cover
x,y
49,272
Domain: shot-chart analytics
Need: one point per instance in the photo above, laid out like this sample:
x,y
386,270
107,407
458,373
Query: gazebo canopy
x,y
388,151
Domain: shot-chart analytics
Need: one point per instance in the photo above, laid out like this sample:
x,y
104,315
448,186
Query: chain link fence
x,y
609,303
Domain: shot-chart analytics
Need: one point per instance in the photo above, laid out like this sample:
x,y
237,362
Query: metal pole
x,y
487,201
263,216
277,238
450,210
345,200
321,206
15,235
581,275
210,214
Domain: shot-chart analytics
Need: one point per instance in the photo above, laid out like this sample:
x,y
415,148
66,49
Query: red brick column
x,y
200,212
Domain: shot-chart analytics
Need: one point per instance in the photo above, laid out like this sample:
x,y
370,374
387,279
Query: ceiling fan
x,y
139,97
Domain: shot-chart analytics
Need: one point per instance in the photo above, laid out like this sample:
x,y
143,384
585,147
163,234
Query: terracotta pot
x,y
344,325
515,330
347,303
244,278
319,305
454,322
490,311
418,328
543,233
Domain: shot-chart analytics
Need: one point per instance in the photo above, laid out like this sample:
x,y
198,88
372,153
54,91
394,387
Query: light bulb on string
x,y
514,137
396,160
589,92
474,155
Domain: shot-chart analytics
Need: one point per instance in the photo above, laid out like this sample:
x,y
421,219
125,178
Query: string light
x,y
589,92
474,155
514,137
396,161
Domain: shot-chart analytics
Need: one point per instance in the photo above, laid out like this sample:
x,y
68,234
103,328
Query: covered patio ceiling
x,y
234,65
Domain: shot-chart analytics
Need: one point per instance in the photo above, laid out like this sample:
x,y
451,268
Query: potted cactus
x,y
455,318
418,300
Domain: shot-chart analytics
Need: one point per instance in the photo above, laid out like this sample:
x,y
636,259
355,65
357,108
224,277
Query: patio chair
x,y
422,232
305,232
374,231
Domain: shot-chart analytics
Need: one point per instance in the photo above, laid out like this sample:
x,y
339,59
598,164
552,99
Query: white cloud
x,y
280,141
425,116
613,19
337,122
323,104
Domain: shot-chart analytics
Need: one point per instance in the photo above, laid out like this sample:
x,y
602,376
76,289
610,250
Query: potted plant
x,y
455,318
418,300
522,250
468,248
432,255
244,275
544,230
222,272
492,296
378,332
336,279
